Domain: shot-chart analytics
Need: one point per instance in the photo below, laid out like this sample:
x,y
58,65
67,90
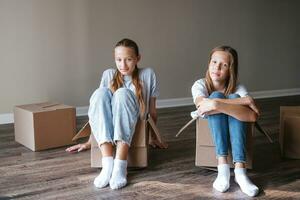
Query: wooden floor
x,y
55,174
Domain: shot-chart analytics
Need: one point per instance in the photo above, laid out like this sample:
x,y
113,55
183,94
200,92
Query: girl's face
x,y
126,60
219,66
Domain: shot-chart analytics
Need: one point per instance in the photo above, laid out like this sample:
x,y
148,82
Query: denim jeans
x,y
113,116
225,129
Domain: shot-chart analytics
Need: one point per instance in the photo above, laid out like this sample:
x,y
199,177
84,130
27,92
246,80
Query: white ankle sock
x,y
221,183
103,178
245,183
118,177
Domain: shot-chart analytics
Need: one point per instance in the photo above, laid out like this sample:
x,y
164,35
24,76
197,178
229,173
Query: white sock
x,y
221,183
245,183
118,177
103,178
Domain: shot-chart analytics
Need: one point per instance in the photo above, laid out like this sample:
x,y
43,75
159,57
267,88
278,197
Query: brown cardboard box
x,y
44,125
205,148
289,137
138,151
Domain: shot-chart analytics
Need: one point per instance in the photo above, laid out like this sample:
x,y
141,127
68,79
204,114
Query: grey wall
x,y
57,49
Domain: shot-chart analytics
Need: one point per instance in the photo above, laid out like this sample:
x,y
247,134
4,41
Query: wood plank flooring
x,y
55,174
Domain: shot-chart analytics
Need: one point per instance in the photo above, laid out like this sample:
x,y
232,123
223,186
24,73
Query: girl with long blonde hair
x,y
126,94
227,106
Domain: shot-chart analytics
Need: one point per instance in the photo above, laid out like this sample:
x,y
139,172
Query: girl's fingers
x,y
69,149
73,148
83,147
80,148
161,145
254,108
152,145
164,145
201,112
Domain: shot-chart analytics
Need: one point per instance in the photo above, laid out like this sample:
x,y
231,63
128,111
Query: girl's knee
x,y
123,92
124,96
217,94
105,93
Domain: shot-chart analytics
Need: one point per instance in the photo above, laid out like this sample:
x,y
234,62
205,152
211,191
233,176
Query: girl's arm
x,y
246,101
214,106
198,101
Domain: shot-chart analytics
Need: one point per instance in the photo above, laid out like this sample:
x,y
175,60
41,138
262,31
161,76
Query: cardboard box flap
x,y
154,128
42,107
85,131
262,131
185,126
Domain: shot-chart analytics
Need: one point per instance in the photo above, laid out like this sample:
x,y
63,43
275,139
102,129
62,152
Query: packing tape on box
x,y
50,105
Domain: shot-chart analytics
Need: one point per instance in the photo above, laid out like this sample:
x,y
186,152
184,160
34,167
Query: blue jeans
x,y
113,116
225,128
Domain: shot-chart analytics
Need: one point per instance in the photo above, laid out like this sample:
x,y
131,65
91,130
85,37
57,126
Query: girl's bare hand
x,y
157,144
78,148
206,106
252,105
154,142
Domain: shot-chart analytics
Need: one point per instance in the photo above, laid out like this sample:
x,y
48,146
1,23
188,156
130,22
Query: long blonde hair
x,y
231,82
117,81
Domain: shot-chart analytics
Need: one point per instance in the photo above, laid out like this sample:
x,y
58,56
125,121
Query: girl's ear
x,y
139,58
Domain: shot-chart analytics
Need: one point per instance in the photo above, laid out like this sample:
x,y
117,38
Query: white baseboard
x,y
82,111
176,102
8,118
275,93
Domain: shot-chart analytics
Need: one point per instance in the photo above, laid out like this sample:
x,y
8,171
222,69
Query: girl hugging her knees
x,y
228,107
125,94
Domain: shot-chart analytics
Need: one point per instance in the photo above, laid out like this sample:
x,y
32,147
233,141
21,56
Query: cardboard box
x,y
205,148
138,151
289,137
44,125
